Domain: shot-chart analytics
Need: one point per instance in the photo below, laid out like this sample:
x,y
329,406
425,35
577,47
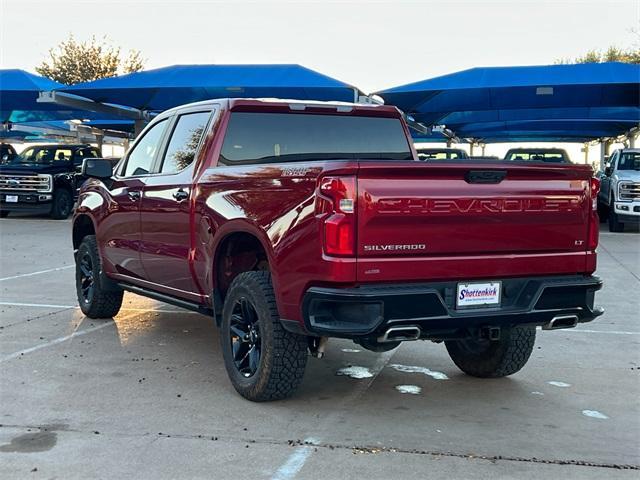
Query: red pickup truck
x,y
290,222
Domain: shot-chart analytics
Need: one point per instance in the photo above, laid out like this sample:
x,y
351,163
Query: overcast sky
x,y
372,44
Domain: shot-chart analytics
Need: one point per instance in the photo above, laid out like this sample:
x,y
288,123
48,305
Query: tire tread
x,y
105,304
286,361
505,358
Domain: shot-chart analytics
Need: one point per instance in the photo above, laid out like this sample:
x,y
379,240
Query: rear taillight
x,y
336,204
594,220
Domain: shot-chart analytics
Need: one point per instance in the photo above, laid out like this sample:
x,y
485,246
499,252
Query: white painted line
x,y
36,305
56,341
294,463
612,332
57,269
290,468
125,309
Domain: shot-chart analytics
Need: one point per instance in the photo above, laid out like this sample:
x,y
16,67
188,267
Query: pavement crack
x,y
37,317
355,449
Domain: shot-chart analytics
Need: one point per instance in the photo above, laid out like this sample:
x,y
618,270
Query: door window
x,y
84,153
141,157
184,141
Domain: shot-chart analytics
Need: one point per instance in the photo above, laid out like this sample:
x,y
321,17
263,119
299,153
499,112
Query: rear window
x,y
553,157
281,137
425,155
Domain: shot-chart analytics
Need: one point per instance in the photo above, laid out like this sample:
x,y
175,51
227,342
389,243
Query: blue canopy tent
x,y
585,101
163,88
57,130
19,91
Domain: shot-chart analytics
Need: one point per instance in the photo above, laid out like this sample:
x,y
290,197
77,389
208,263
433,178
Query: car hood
x,y
628,175
33,168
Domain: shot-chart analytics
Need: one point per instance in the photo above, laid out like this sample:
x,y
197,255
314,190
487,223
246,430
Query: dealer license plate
x,y
11,199
478,294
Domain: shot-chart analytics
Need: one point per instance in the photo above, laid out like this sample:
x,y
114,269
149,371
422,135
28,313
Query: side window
x,y
81,155
184,141
141,157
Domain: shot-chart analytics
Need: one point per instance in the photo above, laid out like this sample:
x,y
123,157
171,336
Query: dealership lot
x,y
146,395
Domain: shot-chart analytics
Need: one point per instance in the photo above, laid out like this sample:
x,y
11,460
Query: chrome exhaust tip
x,y
400,334
561,321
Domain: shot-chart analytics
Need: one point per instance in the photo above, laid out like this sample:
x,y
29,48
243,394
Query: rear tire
x,y
94,299
4,214
62,204
263,360
493,359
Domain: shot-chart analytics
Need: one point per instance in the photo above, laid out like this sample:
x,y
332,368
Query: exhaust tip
x,y
400,334
561,321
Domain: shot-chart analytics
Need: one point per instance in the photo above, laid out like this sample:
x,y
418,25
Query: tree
x,y
612,54
74,62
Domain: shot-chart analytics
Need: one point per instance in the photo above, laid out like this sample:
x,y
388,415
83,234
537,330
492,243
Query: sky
x,y
370,44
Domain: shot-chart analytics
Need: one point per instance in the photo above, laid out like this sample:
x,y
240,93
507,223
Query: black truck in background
x,y
43,179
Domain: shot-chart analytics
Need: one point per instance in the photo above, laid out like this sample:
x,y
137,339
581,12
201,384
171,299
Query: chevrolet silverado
x,y
290,222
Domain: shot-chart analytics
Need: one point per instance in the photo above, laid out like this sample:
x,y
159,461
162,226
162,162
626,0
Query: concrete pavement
x,y
147,396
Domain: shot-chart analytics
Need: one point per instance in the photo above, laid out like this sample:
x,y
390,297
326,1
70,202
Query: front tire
x,y
603,212
94,299
614,224
62,204
263,360
493,359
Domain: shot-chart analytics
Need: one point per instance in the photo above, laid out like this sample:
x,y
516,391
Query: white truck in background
x,y
619,197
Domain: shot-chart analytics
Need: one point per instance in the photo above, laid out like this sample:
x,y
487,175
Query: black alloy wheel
x,y
246,344
263,360
96,297
86,280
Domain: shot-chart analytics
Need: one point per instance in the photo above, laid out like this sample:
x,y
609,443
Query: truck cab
x,y
619,198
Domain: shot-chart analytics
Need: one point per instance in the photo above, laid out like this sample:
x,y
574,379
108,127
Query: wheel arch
x,y
240,247
83,225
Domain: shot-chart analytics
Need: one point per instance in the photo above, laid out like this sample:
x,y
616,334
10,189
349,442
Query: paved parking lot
x,y
146,395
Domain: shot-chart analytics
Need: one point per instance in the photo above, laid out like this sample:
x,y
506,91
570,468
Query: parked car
x,y
440,153
619,198
7,153
291,222
43,179
550,155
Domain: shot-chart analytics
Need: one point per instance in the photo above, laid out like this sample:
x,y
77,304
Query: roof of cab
x,y
296,105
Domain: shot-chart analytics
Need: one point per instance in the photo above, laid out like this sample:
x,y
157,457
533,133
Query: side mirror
x,y
97,168
5,158
608,170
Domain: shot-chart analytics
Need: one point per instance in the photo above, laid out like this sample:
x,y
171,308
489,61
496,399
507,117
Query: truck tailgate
x,y
471,220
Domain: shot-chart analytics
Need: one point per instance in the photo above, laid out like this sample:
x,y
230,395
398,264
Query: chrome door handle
x,y
134,195
180,195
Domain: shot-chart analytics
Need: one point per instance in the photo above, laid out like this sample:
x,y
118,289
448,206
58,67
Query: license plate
x,y
11,199
478,294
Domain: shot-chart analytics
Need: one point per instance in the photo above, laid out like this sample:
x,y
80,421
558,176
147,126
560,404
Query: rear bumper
x,y
369,310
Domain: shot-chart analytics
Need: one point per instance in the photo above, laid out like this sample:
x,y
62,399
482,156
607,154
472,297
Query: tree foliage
x,y
73,61
612,54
